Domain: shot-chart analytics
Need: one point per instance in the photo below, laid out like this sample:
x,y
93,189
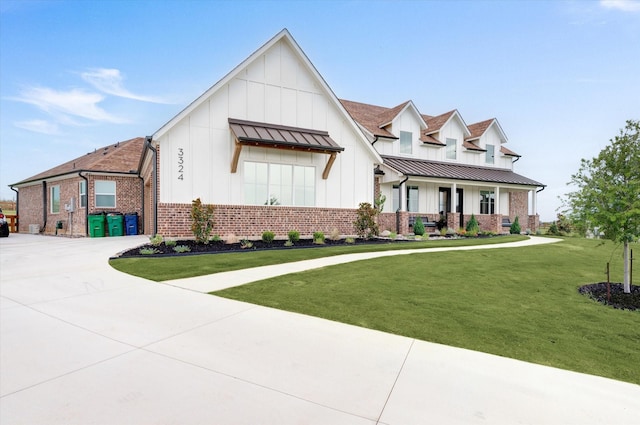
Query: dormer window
x,y
406,142
489,159
451,148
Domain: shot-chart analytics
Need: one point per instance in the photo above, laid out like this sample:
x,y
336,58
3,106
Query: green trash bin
x,y
116,224
96,225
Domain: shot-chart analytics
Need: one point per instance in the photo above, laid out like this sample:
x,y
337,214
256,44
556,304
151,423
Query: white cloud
x,y
110,81
624,5
67,105
39,126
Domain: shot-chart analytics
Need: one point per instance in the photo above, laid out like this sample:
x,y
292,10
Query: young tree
x,y
608,192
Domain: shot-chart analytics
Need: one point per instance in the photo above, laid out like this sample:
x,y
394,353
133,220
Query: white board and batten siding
x,y
275,87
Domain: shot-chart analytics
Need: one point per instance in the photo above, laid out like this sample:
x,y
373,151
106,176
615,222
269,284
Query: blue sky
x,y
561,77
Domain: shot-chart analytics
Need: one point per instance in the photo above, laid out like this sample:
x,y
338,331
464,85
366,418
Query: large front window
x,y
279,184
406,142
55,199
451,148
412,198
105,194
487,202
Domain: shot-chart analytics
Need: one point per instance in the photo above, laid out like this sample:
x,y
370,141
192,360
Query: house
x,y
439,167
269,145
60,200
272,148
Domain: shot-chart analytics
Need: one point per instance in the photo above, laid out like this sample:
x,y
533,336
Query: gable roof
x,y
479,128
285,36
120,158
369,116
444,170
435,124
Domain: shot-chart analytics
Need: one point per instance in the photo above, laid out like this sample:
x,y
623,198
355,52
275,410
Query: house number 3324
x,y
180,164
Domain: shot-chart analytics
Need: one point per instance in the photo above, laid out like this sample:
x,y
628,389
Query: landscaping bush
x,y
515,227
202,221
418,227
318,238
335,234
294,236
268,236
365,223
156,240
181,248
171,242
473,228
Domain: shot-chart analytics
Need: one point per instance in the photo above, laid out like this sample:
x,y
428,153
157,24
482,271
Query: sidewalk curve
x,y
223,280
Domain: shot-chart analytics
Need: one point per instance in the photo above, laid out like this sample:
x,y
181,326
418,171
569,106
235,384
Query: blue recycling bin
x,y
131,223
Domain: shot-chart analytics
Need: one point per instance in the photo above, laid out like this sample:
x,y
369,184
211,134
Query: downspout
x,y
86,208
142,203
400,204
44,206
375,139
154,186
516,160
17,207
543,188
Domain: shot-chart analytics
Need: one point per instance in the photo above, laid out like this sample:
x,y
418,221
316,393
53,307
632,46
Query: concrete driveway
x,y
81,343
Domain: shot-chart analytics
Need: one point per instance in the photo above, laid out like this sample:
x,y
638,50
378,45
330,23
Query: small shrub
x,y
268,236
349,240
156,240
231,239
393,236
425,236
288,243
473,228
148,251
335,235
181,248
418,227
215,238
365,223
462,232
202,221
451,232
318,238
443,231
294,236
170,242
418,237
515,227
246,244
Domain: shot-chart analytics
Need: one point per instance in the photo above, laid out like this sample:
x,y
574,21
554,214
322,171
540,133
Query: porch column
x,y
454,210
534,202
497,200
403,196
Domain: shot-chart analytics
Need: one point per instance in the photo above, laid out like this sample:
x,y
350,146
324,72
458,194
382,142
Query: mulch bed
x,y
258,245
618,299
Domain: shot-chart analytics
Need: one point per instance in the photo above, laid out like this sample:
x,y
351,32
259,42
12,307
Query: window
x,y
489,157
406,142
55,199
487,202
82,192
105,194
412,198
279,184
451,148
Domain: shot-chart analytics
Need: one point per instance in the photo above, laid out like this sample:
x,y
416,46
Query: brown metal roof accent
x,y
470,146
282,137
122,157
443,170
509,152
479,128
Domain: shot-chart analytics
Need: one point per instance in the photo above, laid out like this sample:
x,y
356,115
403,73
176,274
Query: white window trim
x,y
52,199
455,148
81,194
96,193
269,184
410,145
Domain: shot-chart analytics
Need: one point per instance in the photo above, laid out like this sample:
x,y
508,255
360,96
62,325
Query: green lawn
x,y
160,269
520,303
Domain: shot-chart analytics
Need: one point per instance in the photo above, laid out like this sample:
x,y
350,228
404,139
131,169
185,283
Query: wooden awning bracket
x,y
327,168
236,157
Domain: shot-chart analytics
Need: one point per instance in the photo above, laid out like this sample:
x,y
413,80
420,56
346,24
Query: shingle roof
x,y
443,170
121,157
470,146
508,152
434,124
479,128
280,136
371,116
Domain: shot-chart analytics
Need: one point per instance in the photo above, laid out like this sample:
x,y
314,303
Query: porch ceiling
x,y
443,170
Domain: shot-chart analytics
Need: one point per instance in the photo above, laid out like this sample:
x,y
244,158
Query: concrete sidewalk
x,y
81,343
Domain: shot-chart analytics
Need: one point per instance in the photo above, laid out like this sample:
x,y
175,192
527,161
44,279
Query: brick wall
x,y
174,220
519,206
